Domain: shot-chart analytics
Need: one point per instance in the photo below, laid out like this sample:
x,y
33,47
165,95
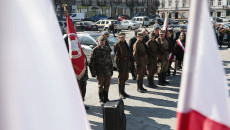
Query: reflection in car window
x,y
103,22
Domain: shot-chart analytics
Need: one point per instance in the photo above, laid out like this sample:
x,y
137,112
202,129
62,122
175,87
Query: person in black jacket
x,y
131,43
111,28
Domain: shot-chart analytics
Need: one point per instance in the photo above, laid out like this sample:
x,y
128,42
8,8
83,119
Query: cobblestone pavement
x,y
154,110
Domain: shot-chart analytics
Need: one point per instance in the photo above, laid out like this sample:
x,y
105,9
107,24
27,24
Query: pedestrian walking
x,y
122,58
139,53
101,67
152,60
111,28
163,56
220,35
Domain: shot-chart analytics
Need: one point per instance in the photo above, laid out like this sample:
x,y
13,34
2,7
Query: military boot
x,y
154,85
121,92
163,79
125,94
160,82
106,99
140,86
101,98
150,81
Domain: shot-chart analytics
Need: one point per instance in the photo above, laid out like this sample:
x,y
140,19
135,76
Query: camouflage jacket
x,y
85,76
100,61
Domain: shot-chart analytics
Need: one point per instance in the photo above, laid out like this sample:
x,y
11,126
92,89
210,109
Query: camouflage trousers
x,y
103,83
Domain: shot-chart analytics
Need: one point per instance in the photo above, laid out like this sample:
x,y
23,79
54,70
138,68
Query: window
x,y
184,4
102,22
107,22
219,2
141,19
228,2
99,22
212,2
87,41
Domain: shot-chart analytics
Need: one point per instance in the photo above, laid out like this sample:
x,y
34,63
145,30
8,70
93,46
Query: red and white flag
x,y
165,26
75,50
38,87
203,100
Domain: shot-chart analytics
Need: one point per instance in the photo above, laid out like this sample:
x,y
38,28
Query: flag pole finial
x,y
64,6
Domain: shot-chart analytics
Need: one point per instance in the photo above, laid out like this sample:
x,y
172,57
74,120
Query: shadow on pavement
x,y
170,95
155,101
95,111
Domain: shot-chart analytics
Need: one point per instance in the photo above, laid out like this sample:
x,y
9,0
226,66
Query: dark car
x,y
171,21
155,16
160,22
140,14
176,28
98,17
85,26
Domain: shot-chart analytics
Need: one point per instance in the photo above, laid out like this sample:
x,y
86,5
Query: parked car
x,y
63,26
130,24
171,21
155,16
85,26
104,25
140,14
143,20
153,21
177,27
124,17
98,17
76,16
87,43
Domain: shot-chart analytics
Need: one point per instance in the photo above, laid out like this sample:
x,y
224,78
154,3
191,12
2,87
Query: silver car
x,y
130,24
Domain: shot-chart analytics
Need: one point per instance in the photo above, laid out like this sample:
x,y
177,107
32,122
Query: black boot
x,y
160,81
163,79
140,86
174,72
150,81
125,94
121,92
168,72
101,98
106,99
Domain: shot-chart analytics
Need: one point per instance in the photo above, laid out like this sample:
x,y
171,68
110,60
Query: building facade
x,y
110,8
179,9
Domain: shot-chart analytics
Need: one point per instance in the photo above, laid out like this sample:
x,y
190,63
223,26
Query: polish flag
x,y
38,87
203,101
75,50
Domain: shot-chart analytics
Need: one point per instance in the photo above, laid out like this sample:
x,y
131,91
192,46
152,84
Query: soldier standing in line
x,y
101,67
122,59
139,53
131,43
152,60
163,56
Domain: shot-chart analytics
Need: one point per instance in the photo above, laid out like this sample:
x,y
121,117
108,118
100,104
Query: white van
x,y
76,17
143,20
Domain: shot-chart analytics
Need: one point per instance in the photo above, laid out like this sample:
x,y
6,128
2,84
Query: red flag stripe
x,y
193,120
171,56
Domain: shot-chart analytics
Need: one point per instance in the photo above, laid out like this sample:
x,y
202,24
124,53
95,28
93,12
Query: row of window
x,y
219,2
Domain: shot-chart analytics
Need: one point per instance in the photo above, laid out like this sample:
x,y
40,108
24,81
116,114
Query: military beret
x,y
106,33
140,34
162,32
152,34
121,34
101,38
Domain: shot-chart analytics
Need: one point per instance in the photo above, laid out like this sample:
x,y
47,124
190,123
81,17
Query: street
x,y
154,110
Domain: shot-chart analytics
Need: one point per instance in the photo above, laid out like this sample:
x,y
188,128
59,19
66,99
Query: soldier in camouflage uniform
x,y
139,53
106,35
163,55
152,60
122,59
101,67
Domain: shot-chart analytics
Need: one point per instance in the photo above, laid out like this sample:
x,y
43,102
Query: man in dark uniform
x,y
131,43
101,67
163,56
122,59
139,53
145,34
152,60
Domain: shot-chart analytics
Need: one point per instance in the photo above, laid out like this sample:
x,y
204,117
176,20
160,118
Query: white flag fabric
x,y
203,100
38,87
165,26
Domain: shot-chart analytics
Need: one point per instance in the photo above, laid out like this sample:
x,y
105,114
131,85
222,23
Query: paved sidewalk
x,y
155,110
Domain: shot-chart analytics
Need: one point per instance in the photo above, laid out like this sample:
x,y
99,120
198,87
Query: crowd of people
x,y
147,53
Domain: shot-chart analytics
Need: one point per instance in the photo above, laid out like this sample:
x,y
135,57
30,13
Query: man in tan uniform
x,y
122,59
152,60
139,53
163,55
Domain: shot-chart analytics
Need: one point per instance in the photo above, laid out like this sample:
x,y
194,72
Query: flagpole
x,y
64,6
